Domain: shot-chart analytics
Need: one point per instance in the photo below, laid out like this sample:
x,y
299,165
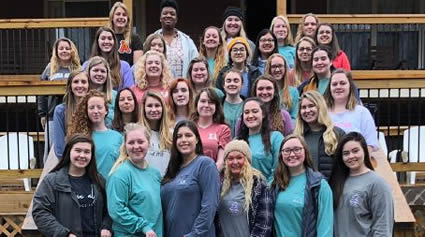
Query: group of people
x,y
236,139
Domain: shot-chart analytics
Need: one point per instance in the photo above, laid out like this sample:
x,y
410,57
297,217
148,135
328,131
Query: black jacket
x,y
253,73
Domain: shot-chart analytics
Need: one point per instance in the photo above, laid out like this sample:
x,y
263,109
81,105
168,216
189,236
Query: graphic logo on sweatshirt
x,y
124,48
355,200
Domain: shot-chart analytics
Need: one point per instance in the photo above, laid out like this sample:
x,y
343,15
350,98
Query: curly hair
x,y
82,123
300,31
218,116
329,137
55,63
172,108
140,76
273,108
112,57
289,40
220,59
286,96
128,28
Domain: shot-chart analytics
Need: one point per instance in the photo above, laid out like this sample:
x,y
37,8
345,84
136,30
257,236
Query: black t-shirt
x,y
83,189
125,52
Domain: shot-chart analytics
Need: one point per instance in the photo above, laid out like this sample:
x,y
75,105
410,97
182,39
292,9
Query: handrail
x,y
26,88
364,18
52,23
389,79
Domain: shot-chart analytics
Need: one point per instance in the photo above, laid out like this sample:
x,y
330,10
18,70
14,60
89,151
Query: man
x,y
180,47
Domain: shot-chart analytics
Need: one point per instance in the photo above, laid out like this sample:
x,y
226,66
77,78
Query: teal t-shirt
x,y
211,65
232,112
134,200
262,161
295,95
111,107
219,93
107,145
290,204
323,84
288,52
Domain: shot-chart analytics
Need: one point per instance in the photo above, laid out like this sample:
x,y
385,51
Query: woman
x,y
315,125
239,52
302,197
199,78
63,61
77,87
105,45
70,200
89,119
155,42
180,101
190,188
100,80
130,45
154,118
134,201
263,142
233,18
209,119
325,35
151,72
277,68
266,89
282,30
265,46
233,102
345,109
212,48
245,208
307,26
363,201
126,109
322,69
302,70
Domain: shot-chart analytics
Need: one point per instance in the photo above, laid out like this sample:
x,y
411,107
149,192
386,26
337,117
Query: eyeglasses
x,y
287,151
305,49
267,40
277,66
236,50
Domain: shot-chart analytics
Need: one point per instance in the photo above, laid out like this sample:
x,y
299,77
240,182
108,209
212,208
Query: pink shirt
x,y
213,138
341,61
139,92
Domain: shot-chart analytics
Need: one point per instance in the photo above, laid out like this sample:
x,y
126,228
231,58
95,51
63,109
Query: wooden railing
x,y
52,23
364,18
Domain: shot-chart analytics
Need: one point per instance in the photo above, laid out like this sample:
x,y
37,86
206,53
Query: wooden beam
x,y
20,174
52,23
16,202
10,78
406,167
27,88
281,7
391,79
129,5
365,18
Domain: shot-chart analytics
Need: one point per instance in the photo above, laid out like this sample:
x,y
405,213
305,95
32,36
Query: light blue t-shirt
x,y
288,52
211,65
289,207
111,108
295,95
232,112
134,201
107,145
323,84
265,162
245,90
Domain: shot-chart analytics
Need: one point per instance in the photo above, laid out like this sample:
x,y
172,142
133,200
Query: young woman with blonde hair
x,y
282,30
134,200
246,207
302,70
151,72
154,117
130,47
321,136
213,48
180,100
307,26
155,42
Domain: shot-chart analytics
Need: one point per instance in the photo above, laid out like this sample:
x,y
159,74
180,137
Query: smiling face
x,y
199,73
277,68
106,41
340,87
266,45
252,115
181,94
80,85
80,155
353,156
265,90
153,66
126,102
211,38
238,53
186,141
96,110
310,26
324,35
120,18
309,112
98,74
153,109
157,45
304,51
293,153
64,51
168,17
205,106
232,25
321,63
232,83
235,162
136,145
280,30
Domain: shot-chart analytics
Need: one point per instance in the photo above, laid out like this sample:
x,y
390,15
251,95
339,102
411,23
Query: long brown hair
x,y
172,109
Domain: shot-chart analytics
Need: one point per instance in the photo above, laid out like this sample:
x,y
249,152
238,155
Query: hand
x,y
105,233
150,234
71,235
43,122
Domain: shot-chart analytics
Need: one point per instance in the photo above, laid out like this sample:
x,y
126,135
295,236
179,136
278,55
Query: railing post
x,y
281,7
129,5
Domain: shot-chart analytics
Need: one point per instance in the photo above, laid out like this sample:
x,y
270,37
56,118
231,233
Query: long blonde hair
x,y
298,75
286,96
329,136
123,152
289,40
107,87
220,58
128,28
140,76
300,31
54,60
246,179
165,137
